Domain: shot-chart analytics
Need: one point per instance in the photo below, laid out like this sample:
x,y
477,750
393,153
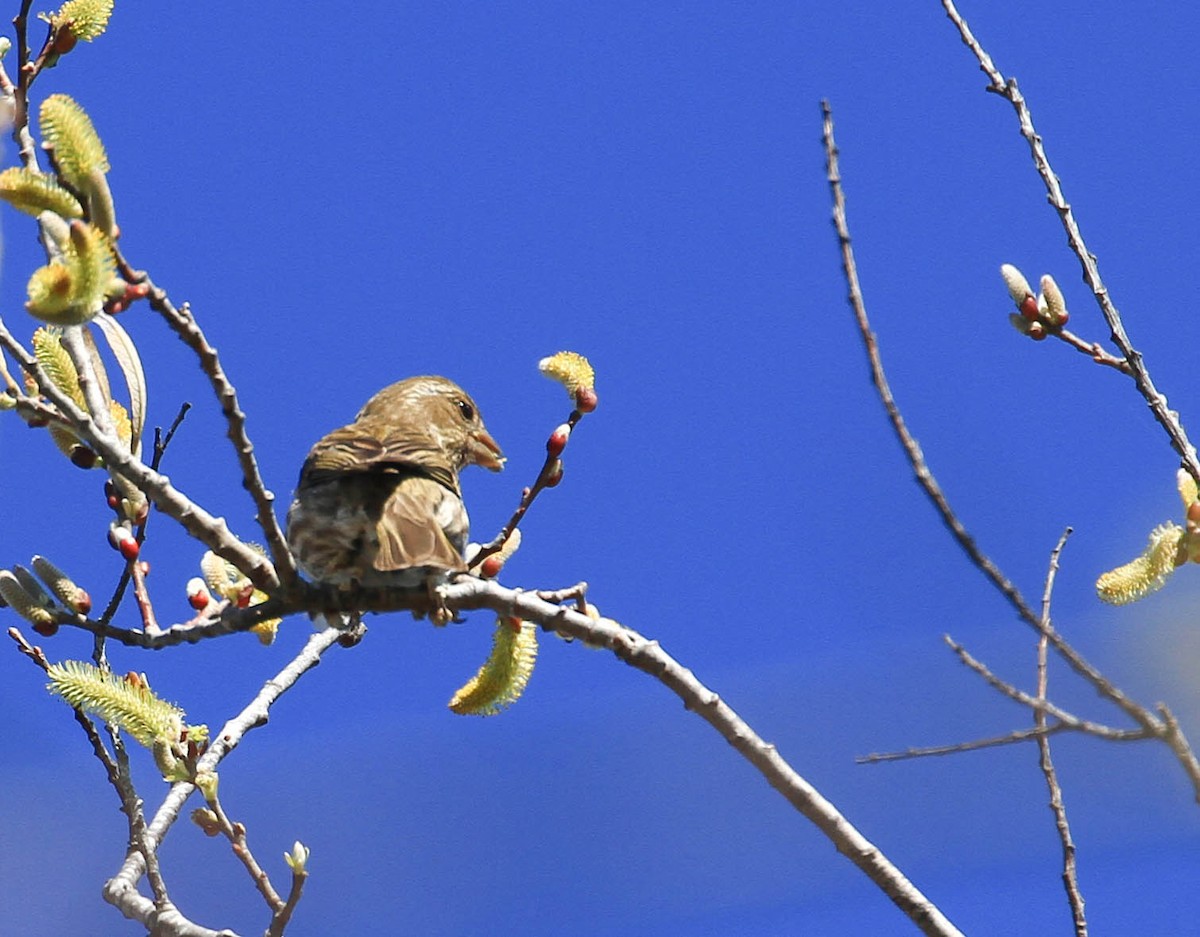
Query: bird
x,y
378,502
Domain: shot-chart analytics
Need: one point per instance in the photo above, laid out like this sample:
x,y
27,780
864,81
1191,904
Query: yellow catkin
x,y
1146,574
570,369
502,679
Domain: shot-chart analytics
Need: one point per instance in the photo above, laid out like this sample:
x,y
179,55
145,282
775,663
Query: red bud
x,y
122,540
1029,309
491,567
586,399
47,629
64,40
554,474
82,603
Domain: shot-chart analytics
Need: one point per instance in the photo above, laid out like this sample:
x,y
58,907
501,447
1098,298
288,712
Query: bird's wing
x,y
352,449
421,524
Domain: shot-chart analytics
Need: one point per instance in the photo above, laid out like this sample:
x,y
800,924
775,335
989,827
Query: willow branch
x,y
121,890
213,532
1007,89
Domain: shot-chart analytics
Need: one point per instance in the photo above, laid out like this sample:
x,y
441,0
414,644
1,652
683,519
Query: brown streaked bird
x,y
378,501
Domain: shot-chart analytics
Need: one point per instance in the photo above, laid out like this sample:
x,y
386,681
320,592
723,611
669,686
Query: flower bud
x,y
553,475
297,859
558,439
1018,286
73,597
198,594
121,539
586,399
207,821
1054,302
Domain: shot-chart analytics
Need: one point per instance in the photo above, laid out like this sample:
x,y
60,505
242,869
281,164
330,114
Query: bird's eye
x,y
467,411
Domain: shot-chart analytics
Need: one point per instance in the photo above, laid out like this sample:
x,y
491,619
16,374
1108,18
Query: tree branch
x,y
1007,89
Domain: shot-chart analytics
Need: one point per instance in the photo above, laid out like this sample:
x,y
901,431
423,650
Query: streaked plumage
x,y
378,501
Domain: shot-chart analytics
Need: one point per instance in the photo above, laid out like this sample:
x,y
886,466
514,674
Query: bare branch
x,y
1057,806
648,656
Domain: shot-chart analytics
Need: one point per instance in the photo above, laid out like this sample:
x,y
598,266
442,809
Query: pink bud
x,y
553,475
1029,308
558,439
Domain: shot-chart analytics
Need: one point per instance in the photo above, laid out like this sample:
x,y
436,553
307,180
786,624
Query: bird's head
x,y
439,407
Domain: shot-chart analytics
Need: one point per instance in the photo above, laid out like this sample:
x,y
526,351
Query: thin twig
x,y
1034,704
1046,763
547,478
21,133
160,449
279,921
236,834
1007,89
1092,350
142,595
1012,738
184,325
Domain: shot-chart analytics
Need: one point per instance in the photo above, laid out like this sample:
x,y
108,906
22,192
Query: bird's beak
x,y
485,451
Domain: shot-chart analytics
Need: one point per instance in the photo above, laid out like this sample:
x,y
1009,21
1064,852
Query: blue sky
x,y
352,196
